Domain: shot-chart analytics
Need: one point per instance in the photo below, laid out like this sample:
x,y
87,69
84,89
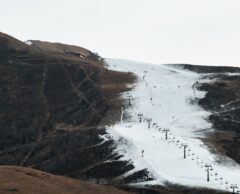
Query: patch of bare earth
x,y
21,180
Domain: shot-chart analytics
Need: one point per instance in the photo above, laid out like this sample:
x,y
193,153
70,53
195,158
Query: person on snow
x,y
142,152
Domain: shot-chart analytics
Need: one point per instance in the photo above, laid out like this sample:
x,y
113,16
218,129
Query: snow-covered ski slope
x,y
163,94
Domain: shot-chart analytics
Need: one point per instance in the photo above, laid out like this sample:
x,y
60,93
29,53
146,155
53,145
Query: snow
x,y
29,42
172,91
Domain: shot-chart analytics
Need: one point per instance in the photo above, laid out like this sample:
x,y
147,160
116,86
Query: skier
x,y
142,152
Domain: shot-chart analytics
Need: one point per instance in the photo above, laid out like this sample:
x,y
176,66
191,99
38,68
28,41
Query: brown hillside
x,y
68,52
54,108
13,42
58,47
20,180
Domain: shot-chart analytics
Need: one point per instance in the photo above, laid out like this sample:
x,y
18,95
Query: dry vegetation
x,y
54,106
19,180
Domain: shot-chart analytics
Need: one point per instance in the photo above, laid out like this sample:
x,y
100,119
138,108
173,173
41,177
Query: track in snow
x,y
163,94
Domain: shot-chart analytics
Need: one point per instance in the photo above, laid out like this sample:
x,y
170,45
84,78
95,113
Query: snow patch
x,y
28,42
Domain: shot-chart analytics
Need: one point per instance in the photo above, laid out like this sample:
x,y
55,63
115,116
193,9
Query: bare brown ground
x,y
13,42
215,140
20,180
58,47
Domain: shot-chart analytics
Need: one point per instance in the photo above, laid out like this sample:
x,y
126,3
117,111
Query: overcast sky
x,y
157,31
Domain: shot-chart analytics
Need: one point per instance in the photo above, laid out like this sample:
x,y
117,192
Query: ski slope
x,y
163,94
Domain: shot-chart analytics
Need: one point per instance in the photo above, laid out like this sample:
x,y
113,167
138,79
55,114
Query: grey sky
x,y
158,31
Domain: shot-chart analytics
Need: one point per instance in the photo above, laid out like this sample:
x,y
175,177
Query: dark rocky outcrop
x,y
208,69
